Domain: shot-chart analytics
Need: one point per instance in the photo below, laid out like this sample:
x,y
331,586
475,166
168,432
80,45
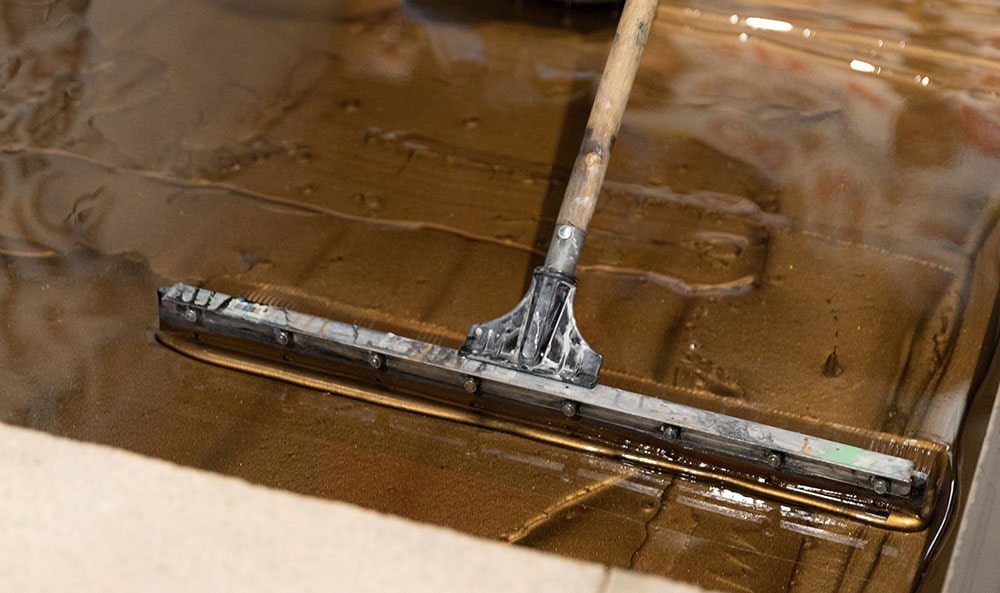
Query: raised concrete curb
x,y
973,567
81,517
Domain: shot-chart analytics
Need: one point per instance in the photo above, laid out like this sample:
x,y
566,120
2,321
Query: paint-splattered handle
x,y
606,115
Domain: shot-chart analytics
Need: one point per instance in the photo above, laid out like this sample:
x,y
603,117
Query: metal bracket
x,y
539,335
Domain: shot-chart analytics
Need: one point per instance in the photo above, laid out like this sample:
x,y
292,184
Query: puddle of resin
x,y
798,228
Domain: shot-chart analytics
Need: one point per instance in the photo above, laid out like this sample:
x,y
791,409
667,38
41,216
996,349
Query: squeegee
x,y
531,372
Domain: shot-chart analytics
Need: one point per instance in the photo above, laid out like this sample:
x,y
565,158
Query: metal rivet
x,y
670,432
283,338
880,486
376,360
775,460
191,315
565,232
569,408
471,384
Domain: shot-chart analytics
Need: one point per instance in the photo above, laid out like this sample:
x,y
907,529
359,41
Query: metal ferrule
x,y
564,250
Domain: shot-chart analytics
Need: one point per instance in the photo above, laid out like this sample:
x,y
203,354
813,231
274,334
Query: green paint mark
x,y
844,454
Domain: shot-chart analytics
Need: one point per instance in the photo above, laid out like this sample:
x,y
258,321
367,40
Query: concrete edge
x,y
973,566
85,517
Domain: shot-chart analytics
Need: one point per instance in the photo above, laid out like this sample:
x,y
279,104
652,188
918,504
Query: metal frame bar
x,y
676,426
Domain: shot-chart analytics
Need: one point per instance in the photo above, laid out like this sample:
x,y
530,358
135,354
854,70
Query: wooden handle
x,y
591,164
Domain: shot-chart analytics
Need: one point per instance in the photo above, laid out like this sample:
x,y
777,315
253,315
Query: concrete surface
x,y
81,517
973,567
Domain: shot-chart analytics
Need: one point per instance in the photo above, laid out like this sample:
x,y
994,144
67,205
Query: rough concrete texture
x,y
81,517
973,566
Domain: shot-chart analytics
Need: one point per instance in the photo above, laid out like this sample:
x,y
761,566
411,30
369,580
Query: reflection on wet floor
x,y
793,184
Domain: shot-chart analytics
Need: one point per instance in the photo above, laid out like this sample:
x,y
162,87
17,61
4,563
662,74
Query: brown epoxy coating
x,y
396,166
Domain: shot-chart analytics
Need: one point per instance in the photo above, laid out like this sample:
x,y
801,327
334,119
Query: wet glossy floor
x,y
798,227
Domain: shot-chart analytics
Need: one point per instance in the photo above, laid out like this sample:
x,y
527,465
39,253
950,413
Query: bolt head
x,y
671,433
569,409
471,384
774,460
565,232
191,315
880,486
283,338
376,360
